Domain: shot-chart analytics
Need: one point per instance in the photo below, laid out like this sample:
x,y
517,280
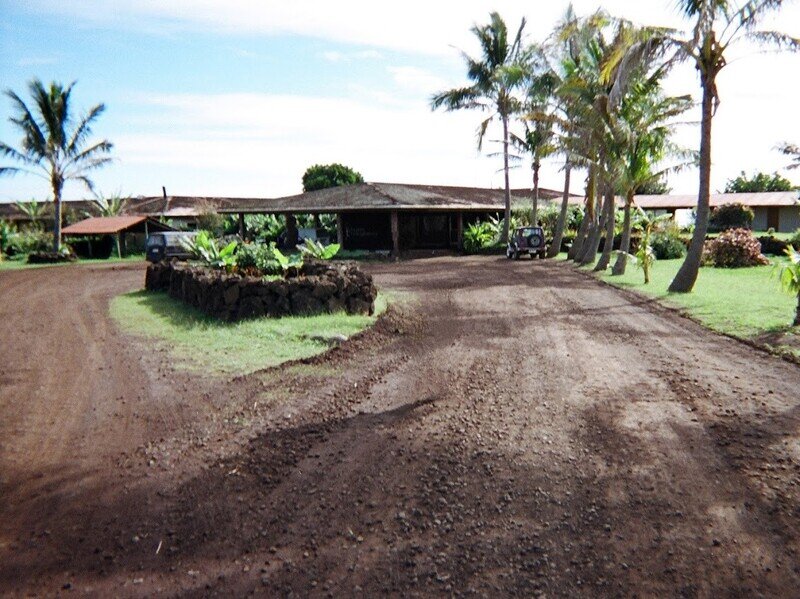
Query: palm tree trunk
x,y
558,234
625,242
611,221
797,311
535,211
580,238
507,220
687,274
56,217
592,243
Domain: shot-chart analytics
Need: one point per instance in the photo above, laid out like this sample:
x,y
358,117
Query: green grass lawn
x,y
200,343
744,302
8,264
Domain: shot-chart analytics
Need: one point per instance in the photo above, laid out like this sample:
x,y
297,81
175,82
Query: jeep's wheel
x,y
516,255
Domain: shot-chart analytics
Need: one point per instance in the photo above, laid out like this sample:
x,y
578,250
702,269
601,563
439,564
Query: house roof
x,y
384,197
776,198
110,225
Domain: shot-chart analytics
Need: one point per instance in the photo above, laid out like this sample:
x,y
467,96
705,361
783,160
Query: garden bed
x,y
318,288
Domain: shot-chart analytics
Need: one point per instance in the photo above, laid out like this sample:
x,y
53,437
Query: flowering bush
x,y
734,248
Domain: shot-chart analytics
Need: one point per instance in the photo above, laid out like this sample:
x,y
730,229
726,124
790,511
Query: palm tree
x,y
54,145
790,278
792,150
718,24
538,138
495,77
643,127
113,205
34,210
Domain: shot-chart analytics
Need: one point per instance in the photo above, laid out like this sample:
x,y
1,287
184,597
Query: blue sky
x,y
238,98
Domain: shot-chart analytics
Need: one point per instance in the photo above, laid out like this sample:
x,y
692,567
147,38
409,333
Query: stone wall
x,y
319,288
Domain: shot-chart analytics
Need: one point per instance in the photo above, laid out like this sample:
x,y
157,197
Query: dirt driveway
x,y
518,429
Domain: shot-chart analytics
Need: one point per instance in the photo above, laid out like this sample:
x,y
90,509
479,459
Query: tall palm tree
x,y
495,77
538,138
644,124
792,150
718,24
54,144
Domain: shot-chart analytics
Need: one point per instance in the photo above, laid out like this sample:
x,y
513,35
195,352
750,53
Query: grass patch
x,y
200,343
20,264
743,302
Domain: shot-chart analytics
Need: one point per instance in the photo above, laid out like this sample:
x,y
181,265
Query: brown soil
x,y
518,429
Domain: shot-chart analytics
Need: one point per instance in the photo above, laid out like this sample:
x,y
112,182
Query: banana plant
x,y
315,249
789,274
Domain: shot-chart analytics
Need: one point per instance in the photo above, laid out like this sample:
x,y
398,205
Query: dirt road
x,y
518,429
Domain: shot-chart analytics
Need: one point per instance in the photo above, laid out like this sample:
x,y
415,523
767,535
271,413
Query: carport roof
x,y
109,225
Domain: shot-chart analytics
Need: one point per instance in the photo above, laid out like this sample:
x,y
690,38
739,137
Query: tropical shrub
x,y
29,240
667,245
265,227
773,245
314,249
794,240
64,254
7,232
731,216
259,259
478,235
790,278
734,248
204,248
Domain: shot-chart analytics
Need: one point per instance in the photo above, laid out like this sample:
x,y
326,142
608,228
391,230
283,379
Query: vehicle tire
x,y
516,255
534,240
508,254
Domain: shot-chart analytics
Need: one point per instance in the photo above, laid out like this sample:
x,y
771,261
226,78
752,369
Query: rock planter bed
x,y
319,287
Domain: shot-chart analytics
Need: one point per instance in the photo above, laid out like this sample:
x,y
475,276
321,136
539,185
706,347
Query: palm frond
x,y
84,129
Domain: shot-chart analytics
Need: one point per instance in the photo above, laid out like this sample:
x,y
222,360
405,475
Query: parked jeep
x,y
168,245
526,240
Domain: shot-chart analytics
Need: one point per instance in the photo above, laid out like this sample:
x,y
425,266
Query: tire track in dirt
x,y
521,429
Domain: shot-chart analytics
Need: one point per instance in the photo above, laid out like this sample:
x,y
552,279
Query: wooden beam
x,y
340,230
460,230
241,225
395,235
291,231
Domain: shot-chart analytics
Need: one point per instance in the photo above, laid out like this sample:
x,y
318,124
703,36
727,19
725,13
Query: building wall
x,y
789,219
760,219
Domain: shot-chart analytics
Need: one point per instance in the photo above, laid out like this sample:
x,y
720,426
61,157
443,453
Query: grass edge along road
x,y
12,264
199,342
747,303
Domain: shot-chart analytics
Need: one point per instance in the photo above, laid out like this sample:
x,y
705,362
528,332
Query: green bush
x,y
731,216
773,245
477,236
733,249
30,240
667,245
794,240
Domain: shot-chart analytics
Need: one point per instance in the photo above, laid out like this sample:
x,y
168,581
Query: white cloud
x,y
417,80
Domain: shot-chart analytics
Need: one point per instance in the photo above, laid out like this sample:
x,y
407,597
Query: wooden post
x,y
291,231
460,230
119,245
395,235
340,230
241,225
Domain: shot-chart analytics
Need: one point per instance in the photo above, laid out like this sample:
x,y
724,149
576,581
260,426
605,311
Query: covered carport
x,y
120,228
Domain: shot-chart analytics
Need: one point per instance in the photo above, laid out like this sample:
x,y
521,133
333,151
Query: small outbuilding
x,y
127,231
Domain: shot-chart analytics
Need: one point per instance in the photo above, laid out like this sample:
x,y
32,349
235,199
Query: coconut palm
x,y
643,125
718,25
54,145
792,150
495,78
113,205
538,138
